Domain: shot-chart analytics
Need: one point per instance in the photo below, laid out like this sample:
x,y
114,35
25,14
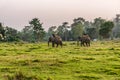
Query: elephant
x,y
55,39
85,40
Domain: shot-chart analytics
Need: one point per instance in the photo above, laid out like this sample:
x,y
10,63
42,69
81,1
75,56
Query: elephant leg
x,y
57,45
77,42
53,44
48,43
89,43
61,43
86,44
81,44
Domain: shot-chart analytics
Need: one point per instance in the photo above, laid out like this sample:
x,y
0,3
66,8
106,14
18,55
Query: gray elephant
x,y
85,40
55,39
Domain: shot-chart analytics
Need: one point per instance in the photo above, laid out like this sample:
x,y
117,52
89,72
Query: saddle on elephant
x,y
57,37
86,36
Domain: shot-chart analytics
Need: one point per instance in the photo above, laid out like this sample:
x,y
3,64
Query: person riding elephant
x,y
85,40
55,39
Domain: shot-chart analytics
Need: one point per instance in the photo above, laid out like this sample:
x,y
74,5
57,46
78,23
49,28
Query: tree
x,y
37,29
91,32
77,27
106,29
60,31
51,30
65,30
79,20
116,29
11,34
77,31
97,24
2,32
27,34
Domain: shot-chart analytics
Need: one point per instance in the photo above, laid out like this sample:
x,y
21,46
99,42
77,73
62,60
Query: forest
x,y
98,29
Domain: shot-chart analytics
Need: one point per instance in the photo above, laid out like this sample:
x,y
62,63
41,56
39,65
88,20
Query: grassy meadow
x,y
37,61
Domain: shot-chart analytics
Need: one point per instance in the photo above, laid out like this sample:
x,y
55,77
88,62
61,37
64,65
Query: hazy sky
x,y
18,13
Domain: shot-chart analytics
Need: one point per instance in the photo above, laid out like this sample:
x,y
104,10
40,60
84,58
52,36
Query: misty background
x,y
18,13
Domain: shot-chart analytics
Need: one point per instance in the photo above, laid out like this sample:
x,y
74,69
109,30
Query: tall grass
x,y
31,61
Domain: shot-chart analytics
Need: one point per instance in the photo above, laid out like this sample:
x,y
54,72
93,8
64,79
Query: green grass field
x,y
27,61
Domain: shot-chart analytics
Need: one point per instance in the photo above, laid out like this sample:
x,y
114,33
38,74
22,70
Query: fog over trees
x,y
98,29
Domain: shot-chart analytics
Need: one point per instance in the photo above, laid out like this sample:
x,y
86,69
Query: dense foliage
x,y
97,29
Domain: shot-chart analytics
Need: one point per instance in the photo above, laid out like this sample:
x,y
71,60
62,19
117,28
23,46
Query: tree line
x,y
98,29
